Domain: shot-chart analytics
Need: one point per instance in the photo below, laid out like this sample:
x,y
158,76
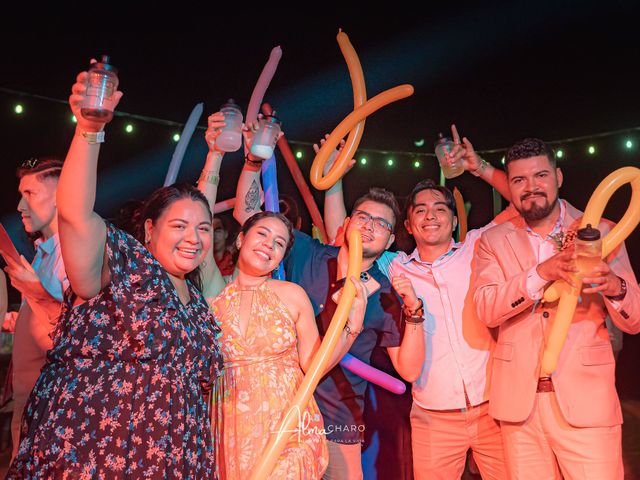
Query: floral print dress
x,y
261,375
121,395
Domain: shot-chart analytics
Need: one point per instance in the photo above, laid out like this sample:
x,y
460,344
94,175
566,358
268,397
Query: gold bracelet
x,y
209,177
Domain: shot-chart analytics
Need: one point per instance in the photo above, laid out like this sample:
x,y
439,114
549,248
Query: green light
x,y
502,160
390,162
628,144
298,154
18,109
176,137
74,119
559,154
419,143
128,128
417,164
363,161
591,150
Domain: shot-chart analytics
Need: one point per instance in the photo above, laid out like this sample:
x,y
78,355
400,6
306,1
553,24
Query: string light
x,y
176,137
591,149
628,144
74,119
390,162
299,154
417,164
18,109
363,161
560,153
128,128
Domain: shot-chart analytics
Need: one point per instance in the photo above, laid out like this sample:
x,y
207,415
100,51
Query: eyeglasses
x,y
379,223
30,163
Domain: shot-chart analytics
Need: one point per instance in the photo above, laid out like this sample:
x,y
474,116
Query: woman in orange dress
x,y
269,338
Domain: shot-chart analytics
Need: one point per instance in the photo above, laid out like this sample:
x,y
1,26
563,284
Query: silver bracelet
x,y
478,171
351,333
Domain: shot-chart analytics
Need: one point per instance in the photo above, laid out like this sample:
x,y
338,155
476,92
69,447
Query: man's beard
x,y
538,212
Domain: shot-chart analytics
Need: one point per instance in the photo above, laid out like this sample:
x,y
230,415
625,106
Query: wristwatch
x,y
623,291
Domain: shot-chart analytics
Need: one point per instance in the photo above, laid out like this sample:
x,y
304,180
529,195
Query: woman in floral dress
x,y
269,337
122,393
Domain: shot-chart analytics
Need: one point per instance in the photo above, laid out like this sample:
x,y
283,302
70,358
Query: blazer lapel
x,y
518,240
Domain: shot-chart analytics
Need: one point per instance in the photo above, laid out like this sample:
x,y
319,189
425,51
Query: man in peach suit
x,y
569,423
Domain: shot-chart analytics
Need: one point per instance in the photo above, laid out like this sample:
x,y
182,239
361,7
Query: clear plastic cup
x,y
230,138
102,84
265,138
442,147
588,249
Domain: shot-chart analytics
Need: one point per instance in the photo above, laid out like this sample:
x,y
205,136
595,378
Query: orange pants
x,y
545,446
440,441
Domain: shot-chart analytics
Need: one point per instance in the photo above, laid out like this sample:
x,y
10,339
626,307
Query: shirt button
x,y
321,305
545,314
333,285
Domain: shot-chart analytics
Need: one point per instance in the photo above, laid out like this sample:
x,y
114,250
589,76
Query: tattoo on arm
x,y
252,198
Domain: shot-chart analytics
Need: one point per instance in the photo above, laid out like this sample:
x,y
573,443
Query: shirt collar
x,y
47,246
415,255
558,225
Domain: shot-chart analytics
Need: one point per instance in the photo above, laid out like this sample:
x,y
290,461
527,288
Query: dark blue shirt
x,y
340,394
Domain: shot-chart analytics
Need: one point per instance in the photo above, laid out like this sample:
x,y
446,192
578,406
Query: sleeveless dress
x,y
121,395
260,377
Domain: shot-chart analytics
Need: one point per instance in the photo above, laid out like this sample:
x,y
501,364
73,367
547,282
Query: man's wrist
x,y
621,293
481,168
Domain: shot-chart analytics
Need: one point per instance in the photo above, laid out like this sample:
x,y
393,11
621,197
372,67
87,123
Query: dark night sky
x,y
501,71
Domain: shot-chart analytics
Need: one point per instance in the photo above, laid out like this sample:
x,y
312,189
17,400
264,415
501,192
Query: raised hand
x,y
463,151
333,156
76,99
405,289
215,124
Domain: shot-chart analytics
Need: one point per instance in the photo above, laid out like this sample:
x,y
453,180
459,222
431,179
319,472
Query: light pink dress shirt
x,y
458,345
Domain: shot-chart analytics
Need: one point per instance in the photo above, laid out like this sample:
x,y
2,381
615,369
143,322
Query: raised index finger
x,y
454,134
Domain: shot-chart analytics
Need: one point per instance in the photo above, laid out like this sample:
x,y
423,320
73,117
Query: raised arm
x,y
477,166
212,281
82,231
334,208
249,189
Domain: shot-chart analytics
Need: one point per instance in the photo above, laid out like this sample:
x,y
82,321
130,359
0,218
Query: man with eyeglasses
x,y
41,283
320,270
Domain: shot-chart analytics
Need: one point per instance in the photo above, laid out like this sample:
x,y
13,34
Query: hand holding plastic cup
x,y
588,250
265,137
443,147
230,138
102,84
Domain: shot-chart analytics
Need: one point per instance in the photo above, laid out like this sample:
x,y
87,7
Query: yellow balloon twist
x,y
288,427
593,213
353,124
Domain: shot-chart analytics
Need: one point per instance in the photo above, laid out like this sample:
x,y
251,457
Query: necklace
x,y
365,277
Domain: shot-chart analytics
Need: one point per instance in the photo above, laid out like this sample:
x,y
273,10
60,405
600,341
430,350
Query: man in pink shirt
x,y
41,283
450,399
566,424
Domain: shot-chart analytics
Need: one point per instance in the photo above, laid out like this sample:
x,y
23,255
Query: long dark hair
x,y
158,202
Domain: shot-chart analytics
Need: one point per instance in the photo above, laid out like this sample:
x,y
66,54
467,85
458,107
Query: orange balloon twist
x,y
593,213
288,427
353,124
461,213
